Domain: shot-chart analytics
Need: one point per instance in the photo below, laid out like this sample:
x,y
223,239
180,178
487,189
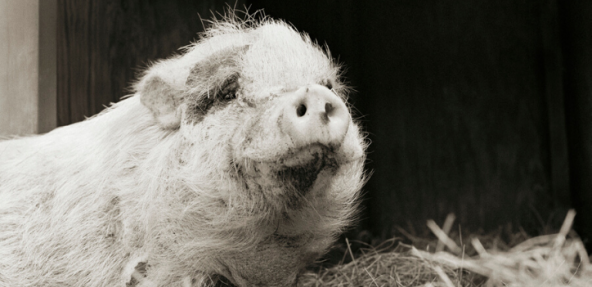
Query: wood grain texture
x,y
460,123
103,45
47,82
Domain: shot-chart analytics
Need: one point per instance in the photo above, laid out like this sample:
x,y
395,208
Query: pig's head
x,y
266,162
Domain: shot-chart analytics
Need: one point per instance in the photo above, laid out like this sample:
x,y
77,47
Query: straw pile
x,y
549,260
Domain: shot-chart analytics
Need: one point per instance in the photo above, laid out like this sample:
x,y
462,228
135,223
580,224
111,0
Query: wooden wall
x,y
463,100
104,44
576,22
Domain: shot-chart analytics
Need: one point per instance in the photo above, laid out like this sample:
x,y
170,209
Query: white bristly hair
x,y
176,179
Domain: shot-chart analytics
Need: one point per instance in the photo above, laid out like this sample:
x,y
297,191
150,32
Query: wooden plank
x,y
73,68
47,82
103,45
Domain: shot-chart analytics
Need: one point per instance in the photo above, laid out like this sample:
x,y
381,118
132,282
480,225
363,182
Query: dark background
x,y
478,108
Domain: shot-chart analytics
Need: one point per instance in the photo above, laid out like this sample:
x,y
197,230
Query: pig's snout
x,y
315,115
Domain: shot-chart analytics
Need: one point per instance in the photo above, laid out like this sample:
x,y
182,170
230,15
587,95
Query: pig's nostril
x,y
301,110
328,108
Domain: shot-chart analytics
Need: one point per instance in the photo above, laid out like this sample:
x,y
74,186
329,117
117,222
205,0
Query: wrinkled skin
x,y
237,159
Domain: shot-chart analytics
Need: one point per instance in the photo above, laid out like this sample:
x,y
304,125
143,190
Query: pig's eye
x,y
229,89
229,96
327,84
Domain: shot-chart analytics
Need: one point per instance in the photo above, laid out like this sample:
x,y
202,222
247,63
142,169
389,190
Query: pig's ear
x,y
162,99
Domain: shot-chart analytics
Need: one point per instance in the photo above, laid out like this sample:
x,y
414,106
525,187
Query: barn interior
x,y
478,109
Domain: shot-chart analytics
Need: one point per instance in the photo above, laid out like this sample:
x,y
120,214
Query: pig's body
x,y
231,160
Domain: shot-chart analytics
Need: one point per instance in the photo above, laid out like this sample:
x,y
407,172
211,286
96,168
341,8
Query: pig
x,y
235,161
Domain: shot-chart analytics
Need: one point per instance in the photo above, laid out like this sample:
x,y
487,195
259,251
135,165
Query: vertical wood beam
x,y
47,82
27,66
19,46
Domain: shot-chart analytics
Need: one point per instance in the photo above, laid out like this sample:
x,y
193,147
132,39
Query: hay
x,y
548,260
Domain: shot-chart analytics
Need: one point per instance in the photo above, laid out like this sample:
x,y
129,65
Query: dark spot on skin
x,y
115,202
114,225
200,109
301,178
45,200
286,186
215,63
131,169
249,103
215,99
132,283
142,268
223,64
251,185
278,122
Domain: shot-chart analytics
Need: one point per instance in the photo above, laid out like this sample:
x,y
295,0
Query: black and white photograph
x,y
261,143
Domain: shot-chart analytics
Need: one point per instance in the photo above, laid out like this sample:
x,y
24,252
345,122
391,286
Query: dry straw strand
x,y
543,261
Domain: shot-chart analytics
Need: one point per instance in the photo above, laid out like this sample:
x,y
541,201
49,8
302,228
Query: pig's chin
x,y
289,179
300,169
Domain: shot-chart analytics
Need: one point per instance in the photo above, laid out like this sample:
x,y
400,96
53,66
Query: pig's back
x,y
66,178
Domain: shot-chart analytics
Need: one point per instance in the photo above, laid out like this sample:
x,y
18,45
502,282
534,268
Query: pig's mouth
x,y
294,174
312,156
300,169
